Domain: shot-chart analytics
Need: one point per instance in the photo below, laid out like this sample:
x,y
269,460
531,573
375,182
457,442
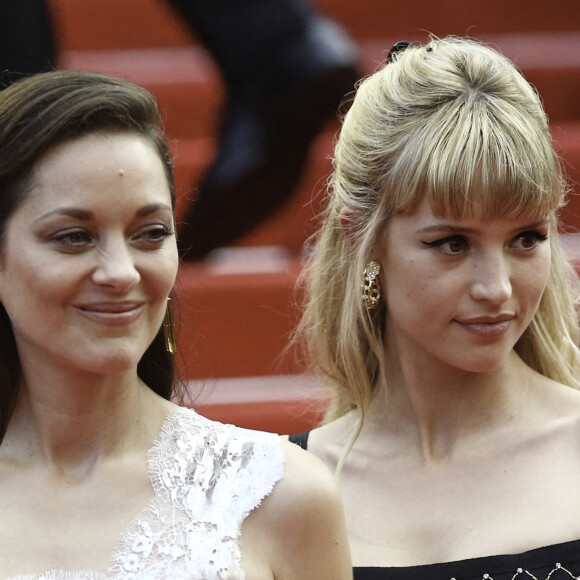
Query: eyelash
x,y
437,244
75,240
67,238
161,233
538,236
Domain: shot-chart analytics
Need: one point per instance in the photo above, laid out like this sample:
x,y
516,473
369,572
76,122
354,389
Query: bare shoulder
x,y
306,475
300,525
561,402
329,441
568,402
552,419
308,492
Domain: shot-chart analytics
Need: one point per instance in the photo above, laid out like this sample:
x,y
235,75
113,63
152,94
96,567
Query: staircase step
x,y
567,142
279,403
236,314
104,24
372,19
184,80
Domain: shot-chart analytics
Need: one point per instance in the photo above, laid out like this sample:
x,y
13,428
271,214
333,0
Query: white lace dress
x,y
207,478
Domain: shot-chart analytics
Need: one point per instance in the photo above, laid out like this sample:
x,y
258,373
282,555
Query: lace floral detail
x,y
207,478
60,575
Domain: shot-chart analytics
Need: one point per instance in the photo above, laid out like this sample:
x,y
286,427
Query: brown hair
x,y
38,113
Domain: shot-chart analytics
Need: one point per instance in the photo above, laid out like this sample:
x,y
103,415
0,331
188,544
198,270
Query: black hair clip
x,y
397,47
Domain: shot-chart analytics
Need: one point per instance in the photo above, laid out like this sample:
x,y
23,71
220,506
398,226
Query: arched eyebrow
x,y
458,229
79,214
446,228
85,215
152,208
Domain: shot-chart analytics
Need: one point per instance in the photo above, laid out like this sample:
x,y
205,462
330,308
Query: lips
x,y
112,313
487,326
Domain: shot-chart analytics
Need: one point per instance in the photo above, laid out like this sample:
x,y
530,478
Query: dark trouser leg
x,y
246,38
287,69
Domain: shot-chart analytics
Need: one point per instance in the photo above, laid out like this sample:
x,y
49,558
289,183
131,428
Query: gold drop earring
x,y
168,329
371,286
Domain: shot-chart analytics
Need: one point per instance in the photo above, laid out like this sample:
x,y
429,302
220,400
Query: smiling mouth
x,y
116,314
110,307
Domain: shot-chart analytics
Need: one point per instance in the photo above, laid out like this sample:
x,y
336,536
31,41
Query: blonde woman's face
x,y
461,292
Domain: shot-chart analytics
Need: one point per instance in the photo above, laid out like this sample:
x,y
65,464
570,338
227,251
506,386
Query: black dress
x,y
556,562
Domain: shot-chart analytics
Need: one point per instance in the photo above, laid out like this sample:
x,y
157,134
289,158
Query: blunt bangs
x,y
478,160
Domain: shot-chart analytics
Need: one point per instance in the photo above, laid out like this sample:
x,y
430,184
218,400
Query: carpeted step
x,y
235,313
104,24
278,403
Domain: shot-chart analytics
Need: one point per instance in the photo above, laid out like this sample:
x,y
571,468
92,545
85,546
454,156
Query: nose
x,y
116,265
492,278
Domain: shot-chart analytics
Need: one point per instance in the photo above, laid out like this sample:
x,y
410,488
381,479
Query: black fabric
x,y
300,439
247,38
26,39
557,562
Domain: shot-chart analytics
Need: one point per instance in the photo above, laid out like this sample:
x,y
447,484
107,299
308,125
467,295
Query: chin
x,y
483,365
115,361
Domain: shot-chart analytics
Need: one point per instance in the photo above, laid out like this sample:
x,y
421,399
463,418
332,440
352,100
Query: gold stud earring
x,y
371,286
168,329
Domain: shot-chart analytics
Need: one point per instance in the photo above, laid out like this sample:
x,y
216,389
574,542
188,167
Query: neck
x,y
440,409
72,423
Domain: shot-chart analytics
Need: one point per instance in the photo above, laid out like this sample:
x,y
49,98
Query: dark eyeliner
x,y
442,241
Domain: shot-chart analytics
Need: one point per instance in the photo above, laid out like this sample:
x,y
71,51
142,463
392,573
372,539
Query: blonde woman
x,y
441,312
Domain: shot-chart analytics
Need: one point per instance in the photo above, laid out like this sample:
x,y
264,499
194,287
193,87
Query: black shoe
x,y
265,141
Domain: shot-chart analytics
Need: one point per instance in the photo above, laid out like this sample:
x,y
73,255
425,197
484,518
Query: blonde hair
x,y
453,120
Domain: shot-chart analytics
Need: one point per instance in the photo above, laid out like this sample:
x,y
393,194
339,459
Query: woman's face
x,y
462,292
89,257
